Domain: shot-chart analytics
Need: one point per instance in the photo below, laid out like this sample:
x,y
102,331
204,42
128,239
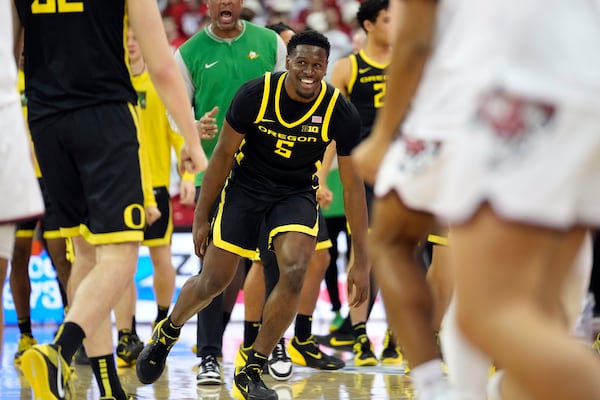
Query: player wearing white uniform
x,y
21,198
521,188
415,166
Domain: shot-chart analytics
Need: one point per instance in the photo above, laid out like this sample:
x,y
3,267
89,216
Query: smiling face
x,y
306,67
225,17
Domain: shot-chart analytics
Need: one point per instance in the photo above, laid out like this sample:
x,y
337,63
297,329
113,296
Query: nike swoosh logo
x,y
59,385
267,120
315,356
243,389
364,70
212,64
335,342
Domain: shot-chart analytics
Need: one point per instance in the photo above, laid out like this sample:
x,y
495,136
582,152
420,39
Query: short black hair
x,y
311,38
279,27
369,10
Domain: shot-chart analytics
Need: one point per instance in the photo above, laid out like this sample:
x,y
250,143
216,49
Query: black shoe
x,y
248,385
363,352
47,372
308,354
337,340
129,348
151,361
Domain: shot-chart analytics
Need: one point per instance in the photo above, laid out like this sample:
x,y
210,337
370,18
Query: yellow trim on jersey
x,y
240,154
265,98
52,234
372,62
309,113
109,238
328,114
326,244
436,239
25,233
353,73
294,228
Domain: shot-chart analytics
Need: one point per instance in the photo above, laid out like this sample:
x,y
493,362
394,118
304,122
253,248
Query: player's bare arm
x,y
340,75
356,214
218,169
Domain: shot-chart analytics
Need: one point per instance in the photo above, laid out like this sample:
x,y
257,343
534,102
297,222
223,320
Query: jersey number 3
x,y
54,6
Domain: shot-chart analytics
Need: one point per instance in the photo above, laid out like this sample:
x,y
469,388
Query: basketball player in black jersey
x,y
263,171
84,130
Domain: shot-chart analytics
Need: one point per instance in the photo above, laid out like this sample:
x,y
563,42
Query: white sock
x,y
428,380
468,368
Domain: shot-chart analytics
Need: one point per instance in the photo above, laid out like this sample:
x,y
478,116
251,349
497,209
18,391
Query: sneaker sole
x,y
34,361
209,381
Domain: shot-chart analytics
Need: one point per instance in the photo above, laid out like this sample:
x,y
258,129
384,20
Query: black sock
x,y
69,339
171,330
133,323
105,372
359,329
161,313
251,329
25,326
303,327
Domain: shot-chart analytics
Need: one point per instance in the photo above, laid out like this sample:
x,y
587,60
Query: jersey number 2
x,y
53,6
379,88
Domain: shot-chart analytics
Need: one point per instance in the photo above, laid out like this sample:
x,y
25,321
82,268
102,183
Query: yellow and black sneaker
x,y
391,354
151,361
128,349
241,357
363,352
47,372
25,343
248,384
308,354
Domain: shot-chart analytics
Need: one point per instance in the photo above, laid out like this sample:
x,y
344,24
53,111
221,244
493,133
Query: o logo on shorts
x,y
132,213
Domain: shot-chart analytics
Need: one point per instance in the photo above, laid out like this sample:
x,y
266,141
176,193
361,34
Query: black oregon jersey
x,y
75,54
285,140
366,88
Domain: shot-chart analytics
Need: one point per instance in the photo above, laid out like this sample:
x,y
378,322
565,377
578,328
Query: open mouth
x,y
226,17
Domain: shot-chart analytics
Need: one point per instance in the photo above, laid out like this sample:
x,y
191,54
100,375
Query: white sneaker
x,y
209,372
279,363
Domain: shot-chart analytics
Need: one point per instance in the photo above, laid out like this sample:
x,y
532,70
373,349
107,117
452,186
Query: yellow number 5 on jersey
x,y
284,148
50,6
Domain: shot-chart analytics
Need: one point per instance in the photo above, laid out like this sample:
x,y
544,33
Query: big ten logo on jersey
x,y
45,299
142,102
56,6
